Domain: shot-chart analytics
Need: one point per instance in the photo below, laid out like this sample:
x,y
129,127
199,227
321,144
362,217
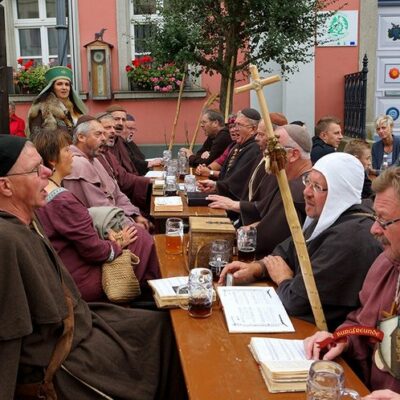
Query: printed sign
x,y
341,29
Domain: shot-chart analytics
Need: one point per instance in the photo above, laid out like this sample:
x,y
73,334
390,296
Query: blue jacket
x,y
377,152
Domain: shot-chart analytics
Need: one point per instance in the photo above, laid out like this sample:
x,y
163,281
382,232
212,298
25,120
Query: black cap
x,y
10,149
251,113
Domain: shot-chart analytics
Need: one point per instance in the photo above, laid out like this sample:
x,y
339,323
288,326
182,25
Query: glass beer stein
x,y
200,293
247,243
173,236
326,382
220,254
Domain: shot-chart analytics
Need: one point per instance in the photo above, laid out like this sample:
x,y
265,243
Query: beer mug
x,y
326,382
183,166
200,293
173,236
172,168
246,243
190,183
220,254
171,185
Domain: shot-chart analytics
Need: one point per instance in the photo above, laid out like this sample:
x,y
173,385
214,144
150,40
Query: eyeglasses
x,y
37,170
239,125
314,186
382,223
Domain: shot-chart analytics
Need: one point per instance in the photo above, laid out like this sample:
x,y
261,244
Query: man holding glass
x,y
337,235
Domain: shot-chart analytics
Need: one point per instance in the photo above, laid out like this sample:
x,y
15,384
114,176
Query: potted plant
x,y
29,77
144,74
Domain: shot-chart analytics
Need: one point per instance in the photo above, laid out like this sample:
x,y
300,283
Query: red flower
x,y
20,61
128,68
147,59
28,64
69,66
136,62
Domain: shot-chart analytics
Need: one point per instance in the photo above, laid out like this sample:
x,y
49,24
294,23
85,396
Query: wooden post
x,y
178,109
4,76
257,84
206,104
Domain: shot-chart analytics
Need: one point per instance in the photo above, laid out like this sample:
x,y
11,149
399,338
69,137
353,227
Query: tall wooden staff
x,y
275,158
228,92
206,104
178,109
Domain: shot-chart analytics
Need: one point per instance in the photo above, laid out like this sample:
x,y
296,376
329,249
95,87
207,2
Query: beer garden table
x,y
218,364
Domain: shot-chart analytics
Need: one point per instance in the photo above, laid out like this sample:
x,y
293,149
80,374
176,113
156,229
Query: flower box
x,y
143,74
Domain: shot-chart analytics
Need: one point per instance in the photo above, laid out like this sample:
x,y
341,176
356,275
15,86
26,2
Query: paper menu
x,y
250,309
168,201
155,174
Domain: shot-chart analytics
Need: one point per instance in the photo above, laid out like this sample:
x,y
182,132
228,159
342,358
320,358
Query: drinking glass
x,y
200,293
326,382
167,155
171,185
190,183
247,243
183,166
220,254
173,236
172,168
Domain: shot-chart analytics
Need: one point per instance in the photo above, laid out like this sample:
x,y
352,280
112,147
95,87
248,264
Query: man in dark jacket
x,y
328,135
218,139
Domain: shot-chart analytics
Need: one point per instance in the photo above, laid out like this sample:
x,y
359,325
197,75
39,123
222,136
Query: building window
x,y
35,33
143,12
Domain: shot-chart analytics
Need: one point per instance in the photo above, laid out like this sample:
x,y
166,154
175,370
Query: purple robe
x,y
377,295
69,227
91,184
135,187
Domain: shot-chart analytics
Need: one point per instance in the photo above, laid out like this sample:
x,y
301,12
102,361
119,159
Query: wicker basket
x,y
119,280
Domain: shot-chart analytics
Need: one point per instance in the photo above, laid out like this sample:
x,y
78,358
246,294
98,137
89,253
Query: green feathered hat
x,y
60,72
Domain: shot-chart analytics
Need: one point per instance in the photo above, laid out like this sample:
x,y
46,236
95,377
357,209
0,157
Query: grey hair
x,y
11,104
104,115
299,138
81,129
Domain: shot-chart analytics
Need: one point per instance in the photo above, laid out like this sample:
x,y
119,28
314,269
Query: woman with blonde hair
x,y
387,149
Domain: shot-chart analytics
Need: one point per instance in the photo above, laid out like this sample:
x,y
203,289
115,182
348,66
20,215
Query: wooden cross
x,y
257,84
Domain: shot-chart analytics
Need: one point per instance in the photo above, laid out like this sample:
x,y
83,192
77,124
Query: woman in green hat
x,y
57,105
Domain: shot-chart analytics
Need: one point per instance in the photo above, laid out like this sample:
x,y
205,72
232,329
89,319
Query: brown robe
x,y
137,157
124,353
267,209
136,188
122,155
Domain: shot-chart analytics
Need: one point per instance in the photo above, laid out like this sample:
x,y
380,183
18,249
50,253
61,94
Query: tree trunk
x,y
228,79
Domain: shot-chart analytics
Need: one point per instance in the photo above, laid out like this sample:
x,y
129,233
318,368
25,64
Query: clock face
x,y
98,56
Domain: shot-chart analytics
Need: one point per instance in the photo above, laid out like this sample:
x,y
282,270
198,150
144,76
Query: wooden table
x,y
218,364
200,211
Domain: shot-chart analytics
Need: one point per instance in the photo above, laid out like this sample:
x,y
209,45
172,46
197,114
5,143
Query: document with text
x,y
251,309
